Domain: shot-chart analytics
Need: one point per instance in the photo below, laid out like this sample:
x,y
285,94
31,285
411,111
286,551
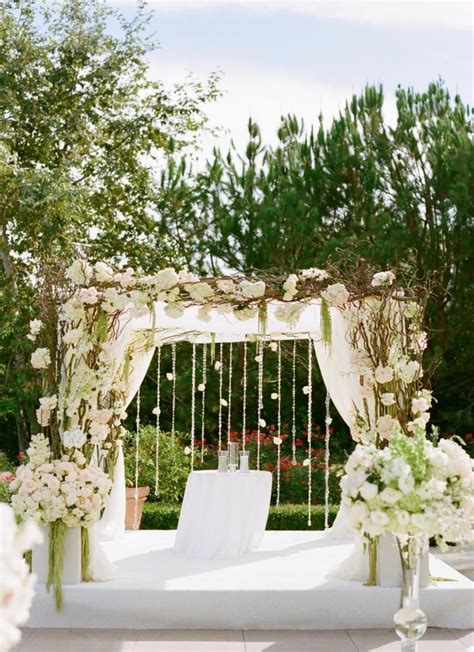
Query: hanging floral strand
x,y
137,458
193,403
260,422
293,407
203,402
310,422
328,422
279,424
221,378
157,411
173,403
229,397
244,397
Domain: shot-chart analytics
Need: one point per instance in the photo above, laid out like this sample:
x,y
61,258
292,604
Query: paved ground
x,y
119,640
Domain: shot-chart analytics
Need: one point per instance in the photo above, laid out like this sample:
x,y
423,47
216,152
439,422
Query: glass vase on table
x,y
410,621
223,461
244,462
233,456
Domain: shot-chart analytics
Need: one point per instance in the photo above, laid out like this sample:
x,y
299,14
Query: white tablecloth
x,y
223,514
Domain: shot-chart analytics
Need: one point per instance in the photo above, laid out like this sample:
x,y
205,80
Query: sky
x,y
308,57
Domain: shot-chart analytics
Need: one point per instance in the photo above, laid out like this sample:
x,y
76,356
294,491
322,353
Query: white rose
x,y
35,326
387,399
385,426
103,273
166,279
262,423
88,296
252,290
382,279
227,286
419,405
80,272
72,336
314,272
289,286
408,370
390,496
368,490
277,441
336,294
359,512
200,292
379,518
274,396
383,374
40,359
74,438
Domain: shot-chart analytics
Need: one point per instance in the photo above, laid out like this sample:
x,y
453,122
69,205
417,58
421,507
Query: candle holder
x,y
244,462
233,456
223,458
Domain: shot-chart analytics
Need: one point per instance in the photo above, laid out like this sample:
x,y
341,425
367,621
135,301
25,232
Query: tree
x,y
402,195
83,132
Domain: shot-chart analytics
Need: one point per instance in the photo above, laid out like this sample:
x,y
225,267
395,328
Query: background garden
x,y
96,159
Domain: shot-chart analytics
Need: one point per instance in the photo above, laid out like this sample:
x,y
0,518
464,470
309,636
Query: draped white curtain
x,y
334,361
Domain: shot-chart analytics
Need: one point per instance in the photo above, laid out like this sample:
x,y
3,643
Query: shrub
x,y
158,516
7,471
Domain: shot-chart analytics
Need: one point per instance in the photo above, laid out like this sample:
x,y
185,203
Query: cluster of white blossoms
x,y
64,489
47,405
40,358
16,581
411,487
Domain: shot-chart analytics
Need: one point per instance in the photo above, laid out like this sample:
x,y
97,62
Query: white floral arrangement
x,y
412,487
64,489
16,581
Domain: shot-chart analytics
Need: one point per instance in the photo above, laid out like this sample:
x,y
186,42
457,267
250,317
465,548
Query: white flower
x,y
289,287
73,336
40,359
382,279
306,390
289,314
99,432
406,483
336,294
166,279
225,285
47,405
379,518
259,358
16,581
187,450
200,292
74,438
252,290
277,441
174,310
386,425
201,387
35,328
419,405
169,375
314,272
100,415
306,462
387,399
262,423
217,365
383,374
274,396
88,296
407,370
368,491
390,495
103,272
80,272
223,402
273,346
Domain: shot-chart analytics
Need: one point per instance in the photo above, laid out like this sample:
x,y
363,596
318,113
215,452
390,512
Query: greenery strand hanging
x,y
85,555
57,533
326,322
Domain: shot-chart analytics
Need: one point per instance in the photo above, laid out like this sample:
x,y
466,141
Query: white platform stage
x,y
284,585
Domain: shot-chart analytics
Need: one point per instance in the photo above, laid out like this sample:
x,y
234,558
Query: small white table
x,y
223,514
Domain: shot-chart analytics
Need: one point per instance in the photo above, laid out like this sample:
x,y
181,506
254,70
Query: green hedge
x,y
157,516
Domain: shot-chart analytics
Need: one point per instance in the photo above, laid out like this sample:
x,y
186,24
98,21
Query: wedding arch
x,y
99,331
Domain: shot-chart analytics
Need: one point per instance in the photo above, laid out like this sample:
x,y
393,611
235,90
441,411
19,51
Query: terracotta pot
x,y
130,510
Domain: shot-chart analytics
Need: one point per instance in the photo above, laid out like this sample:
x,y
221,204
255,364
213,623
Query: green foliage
x,y
400,195
412,450
84,133
158,516
174,464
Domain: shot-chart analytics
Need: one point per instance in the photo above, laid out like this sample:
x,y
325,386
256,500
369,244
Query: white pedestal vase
x,y
72,568
389,567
